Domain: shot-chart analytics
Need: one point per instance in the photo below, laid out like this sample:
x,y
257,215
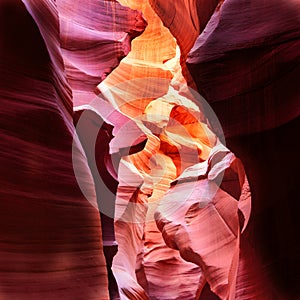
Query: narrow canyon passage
x,y
148,149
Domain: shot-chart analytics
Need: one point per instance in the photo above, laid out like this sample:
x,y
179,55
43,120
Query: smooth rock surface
x,y
95,36
50,234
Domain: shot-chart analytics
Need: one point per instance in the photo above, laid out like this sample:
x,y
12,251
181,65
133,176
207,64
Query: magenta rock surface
x,y
186,224
50,233
94,38
246,64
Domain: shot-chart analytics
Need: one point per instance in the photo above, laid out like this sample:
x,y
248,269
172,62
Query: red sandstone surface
x,y
118,181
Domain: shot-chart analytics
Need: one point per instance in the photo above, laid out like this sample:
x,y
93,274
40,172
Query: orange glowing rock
x,y
94,38
149,87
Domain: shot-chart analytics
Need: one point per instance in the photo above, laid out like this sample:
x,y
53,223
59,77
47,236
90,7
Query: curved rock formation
x,y
101,132
153,92
254,63
201,219
245,63
50,234
143,76
185,19
183,208
94,38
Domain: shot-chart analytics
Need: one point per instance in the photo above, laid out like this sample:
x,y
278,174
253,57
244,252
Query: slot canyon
x,y
149,149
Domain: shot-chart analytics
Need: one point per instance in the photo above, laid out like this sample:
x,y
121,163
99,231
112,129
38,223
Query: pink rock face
x,y
246,64
38,124
247,55
183,231
94,38
200,219
50,234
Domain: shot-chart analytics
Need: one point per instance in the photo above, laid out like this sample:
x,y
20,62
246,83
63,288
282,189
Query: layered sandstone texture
x,y
186,224
245,62
50,234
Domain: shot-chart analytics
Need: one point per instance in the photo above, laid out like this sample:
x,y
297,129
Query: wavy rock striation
x,y
50,234
94,38
183,202
246,65
199,216
245,62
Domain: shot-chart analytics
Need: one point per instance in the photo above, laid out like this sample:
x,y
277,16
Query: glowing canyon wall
x,y
118,179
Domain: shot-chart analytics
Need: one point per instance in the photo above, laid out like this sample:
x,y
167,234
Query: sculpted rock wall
x,y
50,234
53,237
245,63
94,38
183,230
253,59
145,86
205,220
185,20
